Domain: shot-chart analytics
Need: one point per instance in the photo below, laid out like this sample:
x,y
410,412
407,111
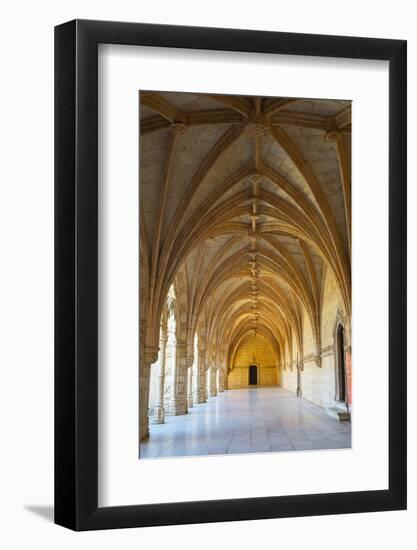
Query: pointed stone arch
x,y
340,347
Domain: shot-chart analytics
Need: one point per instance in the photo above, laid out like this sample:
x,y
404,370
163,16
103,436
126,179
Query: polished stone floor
x,y
254,420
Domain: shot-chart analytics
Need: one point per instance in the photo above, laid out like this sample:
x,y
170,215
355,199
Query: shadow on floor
x,y
45,512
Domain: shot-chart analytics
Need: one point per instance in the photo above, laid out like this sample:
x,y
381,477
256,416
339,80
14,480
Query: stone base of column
x,y
201,397
144,432
158,415
176,408
190,401
143,423
197,399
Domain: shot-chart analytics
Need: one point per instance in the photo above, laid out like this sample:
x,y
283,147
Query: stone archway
x,y
253,375
339,342
245,231
341,365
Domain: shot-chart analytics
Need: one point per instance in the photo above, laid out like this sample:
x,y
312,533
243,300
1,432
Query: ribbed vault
x,y
245,202
244,207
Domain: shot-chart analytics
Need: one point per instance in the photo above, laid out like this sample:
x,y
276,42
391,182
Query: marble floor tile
x,y
253,420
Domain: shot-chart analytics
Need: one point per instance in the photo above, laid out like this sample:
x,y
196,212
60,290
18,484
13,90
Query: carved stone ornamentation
x,y
177,128
151,355
332,135
256,130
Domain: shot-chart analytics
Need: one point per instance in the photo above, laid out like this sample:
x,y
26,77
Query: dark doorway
x,y
341,365
253,375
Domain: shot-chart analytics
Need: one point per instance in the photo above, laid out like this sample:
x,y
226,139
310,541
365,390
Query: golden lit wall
x,y
318,383
253,350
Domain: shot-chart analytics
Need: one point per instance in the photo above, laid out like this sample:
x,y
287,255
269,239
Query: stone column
x,y
179,400
196,380
225,379
212,382
190,387
201,370
299,391
348,363
206,383
220,381
149,357
170,358
159,411
348,367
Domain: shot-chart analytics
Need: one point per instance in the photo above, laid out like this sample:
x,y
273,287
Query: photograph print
x,y
245,274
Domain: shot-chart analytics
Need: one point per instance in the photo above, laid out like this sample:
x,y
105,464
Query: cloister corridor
x,y
247,420
245,310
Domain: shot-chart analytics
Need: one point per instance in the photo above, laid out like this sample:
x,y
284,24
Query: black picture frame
x,y
76,272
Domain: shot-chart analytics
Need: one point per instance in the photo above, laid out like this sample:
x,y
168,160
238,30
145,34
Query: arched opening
x,y
341,394
156,406
163,371
254,363
253,375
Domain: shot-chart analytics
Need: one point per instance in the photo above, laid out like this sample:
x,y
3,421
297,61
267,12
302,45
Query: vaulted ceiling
x,y
244,204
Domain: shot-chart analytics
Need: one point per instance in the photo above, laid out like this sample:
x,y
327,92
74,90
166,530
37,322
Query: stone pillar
x,y
221,379
206,383
179,399
348,366
201,374
170,358
190,387
159,411
196,381
212,382
299,391
225,379
348,363
149,357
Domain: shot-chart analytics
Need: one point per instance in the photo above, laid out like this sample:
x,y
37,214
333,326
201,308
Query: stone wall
x,y
239,377
318,384
289,379
254,350
318,380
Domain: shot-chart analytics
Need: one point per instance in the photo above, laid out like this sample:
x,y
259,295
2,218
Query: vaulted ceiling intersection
x,y
245,202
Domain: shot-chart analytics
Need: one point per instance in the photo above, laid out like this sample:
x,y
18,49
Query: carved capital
x,y
317,360
151,355
332,135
